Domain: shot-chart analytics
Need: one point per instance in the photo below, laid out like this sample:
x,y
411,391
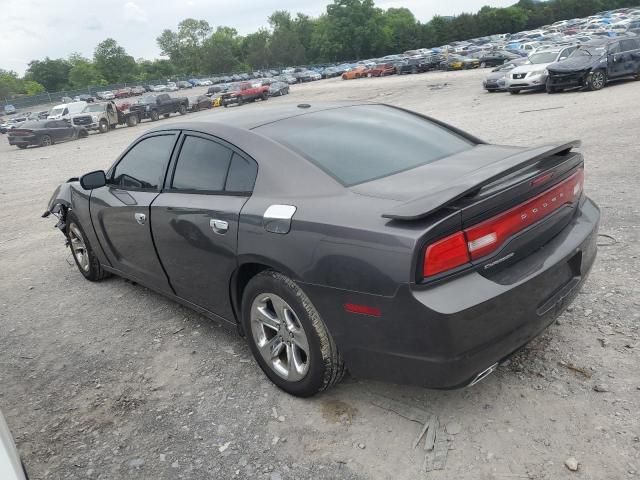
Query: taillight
x,y
445,254
490,235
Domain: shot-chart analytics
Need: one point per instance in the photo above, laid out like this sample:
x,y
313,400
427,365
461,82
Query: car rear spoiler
x,y
424,206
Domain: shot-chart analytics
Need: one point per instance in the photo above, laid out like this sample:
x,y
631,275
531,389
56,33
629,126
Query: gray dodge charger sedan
x,y
343,236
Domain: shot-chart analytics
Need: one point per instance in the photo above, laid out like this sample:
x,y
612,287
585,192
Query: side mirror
x,y
93,180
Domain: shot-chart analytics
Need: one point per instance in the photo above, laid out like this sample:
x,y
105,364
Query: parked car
x,y
158,88
496,81
138,90
381,70
84,98
532,76
497,57
171,87
358,72
66,110
11,123
412,65
9,109
244,92
44,133
123,92
593,64
152,106
104,116
277,89
202,102
11,468
183,84
105,95
319,251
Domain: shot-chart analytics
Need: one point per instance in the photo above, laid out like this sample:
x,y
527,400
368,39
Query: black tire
x,y
183,109
94,271
325,365
103,126
154,116
514,92
22,147
166,115
265,96
483,65
597,80
550,88
240,101
46,141
132,120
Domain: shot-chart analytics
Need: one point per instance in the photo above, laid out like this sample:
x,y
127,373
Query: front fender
x,y
61,197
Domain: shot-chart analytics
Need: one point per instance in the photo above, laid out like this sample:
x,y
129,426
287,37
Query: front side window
x,y
145,164
202,165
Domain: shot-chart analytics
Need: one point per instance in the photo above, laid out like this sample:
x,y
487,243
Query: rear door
x,y
629,56
120,211
195,219
59,130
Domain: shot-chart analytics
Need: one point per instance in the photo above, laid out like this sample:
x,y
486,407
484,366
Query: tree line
x,y
348,30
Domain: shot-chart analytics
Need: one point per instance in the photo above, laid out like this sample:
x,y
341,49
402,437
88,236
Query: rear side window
x,y
202,165
365,142
628,45
145,164
242,175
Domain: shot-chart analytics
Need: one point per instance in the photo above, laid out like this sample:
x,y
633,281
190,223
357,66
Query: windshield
x,y
147,99
361,143
96,107
543,57
56,111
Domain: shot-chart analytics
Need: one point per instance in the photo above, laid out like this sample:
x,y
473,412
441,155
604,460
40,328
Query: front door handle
x,y
141,218
219,226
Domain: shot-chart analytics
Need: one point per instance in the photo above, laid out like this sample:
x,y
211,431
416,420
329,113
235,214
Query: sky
x,y
34,29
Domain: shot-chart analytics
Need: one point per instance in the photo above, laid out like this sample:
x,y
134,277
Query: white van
x,y
66,110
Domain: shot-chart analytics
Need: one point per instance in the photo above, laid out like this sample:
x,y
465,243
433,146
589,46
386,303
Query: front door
x,y
195,219
120,211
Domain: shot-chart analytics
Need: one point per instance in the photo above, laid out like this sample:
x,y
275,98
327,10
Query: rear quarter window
x,y
365,142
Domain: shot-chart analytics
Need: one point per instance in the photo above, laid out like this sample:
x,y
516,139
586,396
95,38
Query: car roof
x,y
243,119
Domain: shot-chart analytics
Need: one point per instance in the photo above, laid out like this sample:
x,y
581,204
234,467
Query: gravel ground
x,y
111,381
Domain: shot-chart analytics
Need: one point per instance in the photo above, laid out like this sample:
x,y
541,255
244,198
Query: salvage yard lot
x,y
111,380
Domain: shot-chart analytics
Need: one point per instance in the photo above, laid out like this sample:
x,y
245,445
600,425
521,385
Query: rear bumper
x,y
25,140
444,336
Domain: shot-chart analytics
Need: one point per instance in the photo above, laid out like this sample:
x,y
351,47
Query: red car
x,y
123,92
381,70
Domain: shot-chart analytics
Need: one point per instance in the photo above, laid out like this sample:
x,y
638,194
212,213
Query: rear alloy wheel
x,y
154,116
597,80
45,141
103,126
483,65
132,120
83,255
287,336
182,110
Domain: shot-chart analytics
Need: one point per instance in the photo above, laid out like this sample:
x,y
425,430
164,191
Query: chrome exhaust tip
x,y
484,374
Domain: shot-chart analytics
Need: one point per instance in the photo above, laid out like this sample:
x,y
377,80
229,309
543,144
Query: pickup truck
x,y
104,116
152,106
244,92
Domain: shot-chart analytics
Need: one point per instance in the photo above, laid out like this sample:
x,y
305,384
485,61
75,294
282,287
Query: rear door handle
x,y
141,218
219,226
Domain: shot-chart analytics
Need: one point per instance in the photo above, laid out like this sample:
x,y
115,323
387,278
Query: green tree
x,y
222,51
113,63
185,47
83,72
32,88
10,84
52,74
155,69
255,49
401,30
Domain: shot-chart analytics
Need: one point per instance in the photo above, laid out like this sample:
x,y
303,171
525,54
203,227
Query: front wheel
x,y
182,110
103,126
154,116
132,120
514,92
287,336
597,80
265,96
86,260
22,147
